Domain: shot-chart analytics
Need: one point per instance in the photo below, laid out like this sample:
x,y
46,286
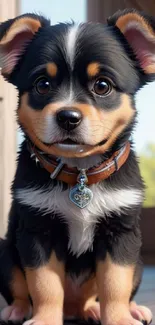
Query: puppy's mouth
x,y
71,145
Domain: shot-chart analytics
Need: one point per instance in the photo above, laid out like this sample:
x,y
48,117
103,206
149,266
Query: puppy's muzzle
x,y
68,119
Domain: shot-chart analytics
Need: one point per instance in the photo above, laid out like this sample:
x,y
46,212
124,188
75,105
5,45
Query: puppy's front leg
x,y
115,278
46,288
45,275
115,286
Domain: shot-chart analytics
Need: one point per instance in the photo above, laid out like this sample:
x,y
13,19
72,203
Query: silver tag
x,y
80,194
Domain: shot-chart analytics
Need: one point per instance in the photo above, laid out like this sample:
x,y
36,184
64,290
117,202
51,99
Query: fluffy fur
x,y
81,223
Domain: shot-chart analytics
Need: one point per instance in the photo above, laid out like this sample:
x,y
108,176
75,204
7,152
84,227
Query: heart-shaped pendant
x,y
80,194
80,197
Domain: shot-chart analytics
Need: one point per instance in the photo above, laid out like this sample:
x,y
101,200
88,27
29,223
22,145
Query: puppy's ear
x,y
139,31
15,35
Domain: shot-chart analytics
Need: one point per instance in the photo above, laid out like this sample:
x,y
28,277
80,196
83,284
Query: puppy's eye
x,y
102,87
42,86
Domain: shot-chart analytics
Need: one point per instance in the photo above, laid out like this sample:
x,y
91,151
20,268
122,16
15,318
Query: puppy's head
x,y
77,83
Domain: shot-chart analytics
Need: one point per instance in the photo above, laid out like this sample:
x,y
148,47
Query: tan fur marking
x,y
107,124
88,289
46,287
34,120
78,299
115,283
103,124
20,25
123,21
88,295
18,285
52,69
19,291
150,68
93,69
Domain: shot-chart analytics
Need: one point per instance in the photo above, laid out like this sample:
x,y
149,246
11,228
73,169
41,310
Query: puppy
x,y
73,242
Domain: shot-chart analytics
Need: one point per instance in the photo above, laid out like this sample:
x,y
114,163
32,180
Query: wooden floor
x,y
145,296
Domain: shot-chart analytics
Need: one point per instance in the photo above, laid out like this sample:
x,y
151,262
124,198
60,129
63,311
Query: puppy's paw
x,y
115,314
124,321
51,319
141,313
92,312
34,321
16,312
129,321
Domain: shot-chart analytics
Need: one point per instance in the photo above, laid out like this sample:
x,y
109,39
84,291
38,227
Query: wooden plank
x,y
8,144
147,224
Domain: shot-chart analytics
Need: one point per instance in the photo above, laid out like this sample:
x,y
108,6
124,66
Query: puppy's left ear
x,y
139,31
15,36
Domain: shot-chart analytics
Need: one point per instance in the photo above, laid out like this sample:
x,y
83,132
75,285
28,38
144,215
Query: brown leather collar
x,y
68,175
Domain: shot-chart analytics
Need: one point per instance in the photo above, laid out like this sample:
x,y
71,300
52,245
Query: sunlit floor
x,y
145,296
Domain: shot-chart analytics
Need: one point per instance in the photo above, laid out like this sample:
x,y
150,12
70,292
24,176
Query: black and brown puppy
x,y
68,243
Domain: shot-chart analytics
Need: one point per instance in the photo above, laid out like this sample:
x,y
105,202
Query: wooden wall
x,y
8,128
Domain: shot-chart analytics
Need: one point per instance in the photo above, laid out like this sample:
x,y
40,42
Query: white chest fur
x,y
81,222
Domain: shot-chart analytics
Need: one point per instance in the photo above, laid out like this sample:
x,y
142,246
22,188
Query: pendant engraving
x,y
80,194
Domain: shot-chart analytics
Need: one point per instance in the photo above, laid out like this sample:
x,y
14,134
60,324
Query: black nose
x,y
68,119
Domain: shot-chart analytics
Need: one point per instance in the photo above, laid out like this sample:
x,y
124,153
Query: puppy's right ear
x,y
139,31
15,35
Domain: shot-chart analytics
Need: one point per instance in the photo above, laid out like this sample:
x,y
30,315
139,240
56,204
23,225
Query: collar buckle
x,y
57,170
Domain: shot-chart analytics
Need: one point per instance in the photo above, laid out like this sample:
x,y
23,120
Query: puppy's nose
x,y
68,119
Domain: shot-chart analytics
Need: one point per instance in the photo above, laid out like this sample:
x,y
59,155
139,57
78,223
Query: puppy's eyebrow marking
x,y
93,69
52,69
71,43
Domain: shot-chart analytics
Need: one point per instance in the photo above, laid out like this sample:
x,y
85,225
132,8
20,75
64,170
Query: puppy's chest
x,y
81,222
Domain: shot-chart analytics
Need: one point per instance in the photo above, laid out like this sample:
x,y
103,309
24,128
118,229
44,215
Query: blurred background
x,y
10,136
